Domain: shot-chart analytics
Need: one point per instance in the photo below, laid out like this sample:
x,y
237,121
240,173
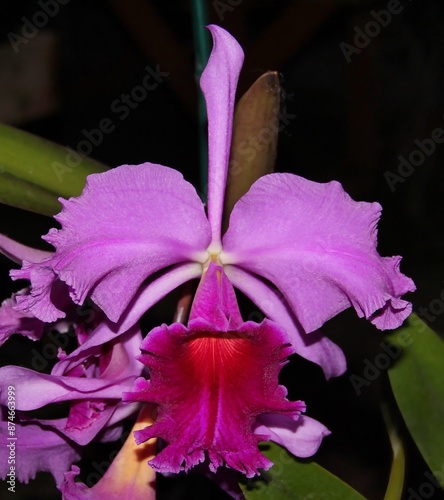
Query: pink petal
x,y
107,331
36,449
151,293
301,435
43,293
103,333
12,321
34,390
215,306
318,247
88,416
315,347
129,223
122,361
210,385
92,407
18,252
218,83
90,420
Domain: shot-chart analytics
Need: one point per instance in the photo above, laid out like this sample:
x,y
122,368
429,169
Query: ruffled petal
x,y
12,321
36,449
18,252
315,347
42,301
218,83
318,247
129,223
301,435
231,378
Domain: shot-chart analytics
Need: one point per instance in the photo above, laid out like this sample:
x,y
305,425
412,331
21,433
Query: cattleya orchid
x,y
301,251
92,381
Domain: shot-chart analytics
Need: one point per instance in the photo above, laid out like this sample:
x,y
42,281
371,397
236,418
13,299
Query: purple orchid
x,y
91,379
300,250
232,370
11,320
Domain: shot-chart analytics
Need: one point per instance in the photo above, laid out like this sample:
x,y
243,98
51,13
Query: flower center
x,y
213,256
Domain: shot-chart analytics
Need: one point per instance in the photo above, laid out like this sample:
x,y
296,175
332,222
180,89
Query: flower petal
x,y
216,304
107,331
89,415
88,420
129,223
12,321
34,390
315,347
318,247
231,378
218,83
151,293
45,289
18,252
301,435
36,449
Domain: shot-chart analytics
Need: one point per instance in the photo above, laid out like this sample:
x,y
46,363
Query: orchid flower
x,y
91,380
301,251
93,386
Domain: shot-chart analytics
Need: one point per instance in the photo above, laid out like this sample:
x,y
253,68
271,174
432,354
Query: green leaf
x,y
35,172
292,479
417,380
22,194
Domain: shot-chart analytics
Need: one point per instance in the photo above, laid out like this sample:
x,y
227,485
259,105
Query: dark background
x,y
350,121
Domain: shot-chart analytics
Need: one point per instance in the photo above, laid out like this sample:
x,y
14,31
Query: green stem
x,y
202,50
396,480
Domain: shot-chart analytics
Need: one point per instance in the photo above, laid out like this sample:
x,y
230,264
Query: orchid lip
x,y
232,372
